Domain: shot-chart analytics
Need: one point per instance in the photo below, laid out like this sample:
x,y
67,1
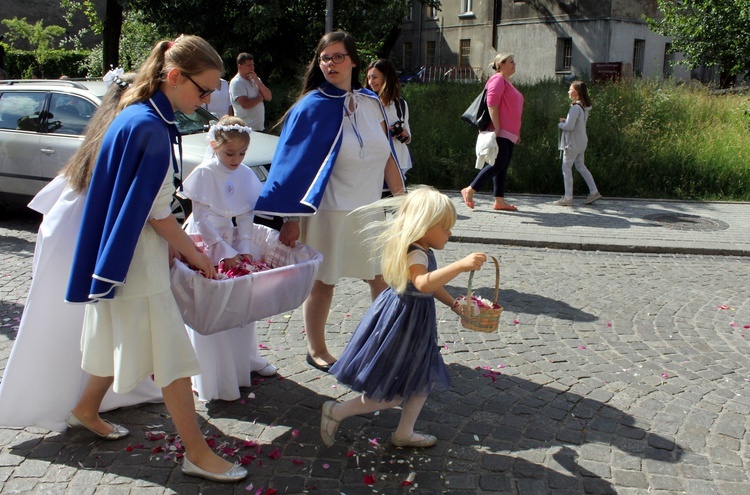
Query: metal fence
x,y
435,73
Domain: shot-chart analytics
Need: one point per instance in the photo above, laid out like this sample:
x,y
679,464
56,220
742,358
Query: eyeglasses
x,y
337,58
203,92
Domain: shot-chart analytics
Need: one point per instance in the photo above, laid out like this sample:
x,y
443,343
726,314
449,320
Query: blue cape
x,y
128,174
306,152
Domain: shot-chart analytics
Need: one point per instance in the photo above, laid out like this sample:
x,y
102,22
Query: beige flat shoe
x,y
414,440
326,418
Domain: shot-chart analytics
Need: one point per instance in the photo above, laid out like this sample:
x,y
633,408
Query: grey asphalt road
x,y
620,370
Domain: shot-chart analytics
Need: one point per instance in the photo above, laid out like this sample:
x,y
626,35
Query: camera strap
x,y
400,108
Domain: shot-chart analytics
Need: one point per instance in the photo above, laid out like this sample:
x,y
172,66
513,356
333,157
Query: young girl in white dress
x,y
46,355
222,188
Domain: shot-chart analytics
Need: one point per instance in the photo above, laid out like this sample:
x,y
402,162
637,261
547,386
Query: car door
x,y
62,131
20,164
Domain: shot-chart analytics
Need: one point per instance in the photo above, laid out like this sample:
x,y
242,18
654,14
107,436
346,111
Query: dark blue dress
x,y
394,350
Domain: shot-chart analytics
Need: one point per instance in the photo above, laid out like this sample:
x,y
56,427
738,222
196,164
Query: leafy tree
x,y
136,41
109,28
40,38
708,32
281,33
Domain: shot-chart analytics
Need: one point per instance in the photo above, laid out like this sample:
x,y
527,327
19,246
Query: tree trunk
x,y
390,41
726,80
112,27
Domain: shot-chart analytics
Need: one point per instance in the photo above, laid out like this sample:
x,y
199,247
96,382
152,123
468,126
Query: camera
x,y
397,129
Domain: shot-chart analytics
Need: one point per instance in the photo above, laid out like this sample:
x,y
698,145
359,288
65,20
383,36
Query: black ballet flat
x,y
325,368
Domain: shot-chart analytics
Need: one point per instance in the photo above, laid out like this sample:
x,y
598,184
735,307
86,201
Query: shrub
x,y
19,64
646,139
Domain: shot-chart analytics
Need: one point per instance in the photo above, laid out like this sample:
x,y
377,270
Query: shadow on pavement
x,y
528,303
496,433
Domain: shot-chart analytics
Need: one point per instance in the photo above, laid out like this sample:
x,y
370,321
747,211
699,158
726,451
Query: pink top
x,y
502,94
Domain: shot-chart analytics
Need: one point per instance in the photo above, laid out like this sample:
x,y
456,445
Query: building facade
x,y
550,38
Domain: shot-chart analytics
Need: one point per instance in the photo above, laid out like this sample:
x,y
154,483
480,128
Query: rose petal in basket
x,y
210,306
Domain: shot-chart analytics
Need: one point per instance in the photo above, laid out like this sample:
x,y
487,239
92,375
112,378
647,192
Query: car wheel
x,y
181,208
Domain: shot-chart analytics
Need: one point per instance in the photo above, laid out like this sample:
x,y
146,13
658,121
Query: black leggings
x,y
498,171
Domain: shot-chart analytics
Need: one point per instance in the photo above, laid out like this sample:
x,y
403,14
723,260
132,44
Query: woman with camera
x,y
382,79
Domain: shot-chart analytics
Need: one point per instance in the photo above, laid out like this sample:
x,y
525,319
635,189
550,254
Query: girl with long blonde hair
x,y
393,357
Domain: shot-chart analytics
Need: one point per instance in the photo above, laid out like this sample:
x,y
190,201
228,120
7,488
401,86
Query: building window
x,y
429,53
410,13
407,54
464,54
639,51
432,12
564,54
667,69
466,6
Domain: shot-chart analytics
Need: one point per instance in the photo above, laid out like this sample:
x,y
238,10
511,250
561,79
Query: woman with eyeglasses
x,y
135,329
333,156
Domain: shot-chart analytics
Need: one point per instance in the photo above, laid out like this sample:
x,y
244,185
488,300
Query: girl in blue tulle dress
x,y
393,357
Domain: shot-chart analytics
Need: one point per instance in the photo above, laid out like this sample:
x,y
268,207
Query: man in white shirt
x,y
220,104
247,93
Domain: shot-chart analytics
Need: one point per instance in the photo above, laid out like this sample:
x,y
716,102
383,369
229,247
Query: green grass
x,y
646,139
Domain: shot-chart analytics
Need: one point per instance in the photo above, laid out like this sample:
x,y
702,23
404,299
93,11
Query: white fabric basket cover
x,y
210,306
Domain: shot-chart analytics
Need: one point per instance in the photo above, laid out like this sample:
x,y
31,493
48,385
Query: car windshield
x,y
194,123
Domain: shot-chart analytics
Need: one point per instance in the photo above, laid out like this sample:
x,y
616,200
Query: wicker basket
x,y
488,319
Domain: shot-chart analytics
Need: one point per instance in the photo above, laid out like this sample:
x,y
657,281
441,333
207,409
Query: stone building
x,y
550,38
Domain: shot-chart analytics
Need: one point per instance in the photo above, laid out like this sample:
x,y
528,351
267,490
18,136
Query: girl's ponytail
x,y
149,76
189,54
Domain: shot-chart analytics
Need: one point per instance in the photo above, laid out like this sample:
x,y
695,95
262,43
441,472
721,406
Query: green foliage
x,y
87,8
282,34
20,63
708,32
646,139
40,38
71,9
136,41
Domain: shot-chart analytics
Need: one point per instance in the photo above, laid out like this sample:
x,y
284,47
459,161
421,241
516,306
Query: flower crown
x,y
226,128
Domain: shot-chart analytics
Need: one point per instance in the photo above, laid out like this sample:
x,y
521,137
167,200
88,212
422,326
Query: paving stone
x,y
558,419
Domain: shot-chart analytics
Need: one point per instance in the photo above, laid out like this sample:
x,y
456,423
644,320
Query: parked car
x,y
42,124
438,73
416,77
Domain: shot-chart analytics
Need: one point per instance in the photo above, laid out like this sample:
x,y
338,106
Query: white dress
x,y
227,358
140,331
43,379
356,180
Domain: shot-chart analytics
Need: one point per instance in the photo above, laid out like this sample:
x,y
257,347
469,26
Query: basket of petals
x,y
276,279
477,313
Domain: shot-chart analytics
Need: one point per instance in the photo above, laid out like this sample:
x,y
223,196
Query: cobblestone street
x,y
612,372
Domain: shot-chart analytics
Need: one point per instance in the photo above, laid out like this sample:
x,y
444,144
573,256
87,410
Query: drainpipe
x,y
419,35
440,42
